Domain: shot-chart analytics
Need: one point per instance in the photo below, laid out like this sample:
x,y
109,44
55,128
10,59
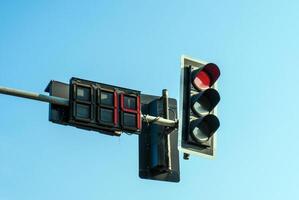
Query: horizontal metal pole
x,y
34,96
65,102
160,121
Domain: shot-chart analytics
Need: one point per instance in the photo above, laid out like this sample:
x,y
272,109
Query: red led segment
x,y
138,113
115,109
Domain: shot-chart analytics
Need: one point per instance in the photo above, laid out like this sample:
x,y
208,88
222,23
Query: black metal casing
x,y
158,153
58,114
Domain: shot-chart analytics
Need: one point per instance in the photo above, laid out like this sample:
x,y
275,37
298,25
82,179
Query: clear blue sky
x,y
138,44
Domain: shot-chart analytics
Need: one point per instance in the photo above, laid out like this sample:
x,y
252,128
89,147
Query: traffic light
x,y
96,106
199,97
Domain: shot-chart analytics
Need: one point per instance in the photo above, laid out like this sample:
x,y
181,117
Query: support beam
x,y
65,102
34,96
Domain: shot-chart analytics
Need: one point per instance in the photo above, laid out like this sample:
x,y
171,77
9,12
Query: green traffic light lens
x,y
202,129
200,132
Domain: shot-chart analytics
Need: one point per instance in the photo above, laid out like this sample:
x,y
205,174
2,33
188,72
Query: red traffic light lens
x,y
202,80
206,76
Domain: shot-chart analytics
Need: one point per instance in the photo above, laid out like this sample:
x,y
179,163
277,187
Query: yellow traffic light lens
x,y
204,102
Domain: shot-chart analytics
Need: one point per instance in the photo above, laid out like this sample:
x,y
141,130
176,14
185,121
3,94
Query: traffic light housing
x,y
199,97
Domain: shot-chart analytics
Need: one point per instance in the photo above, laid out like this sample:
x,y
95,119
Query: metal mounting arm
x,y
65,102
